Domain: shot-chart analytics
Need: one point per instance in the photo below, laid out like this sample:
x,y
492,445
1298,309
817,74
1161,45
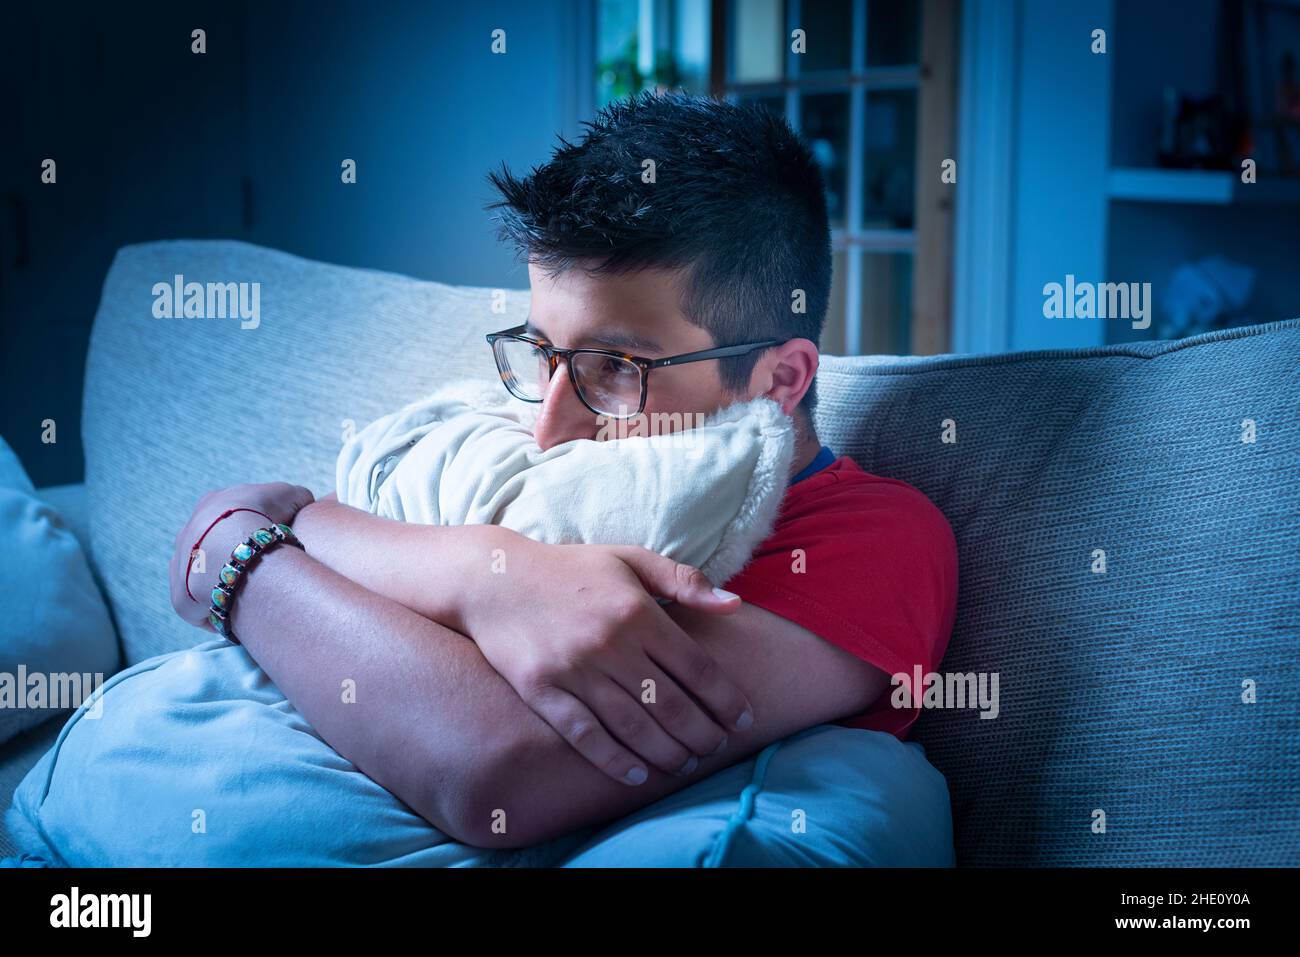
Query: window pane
x,y
893,32
617,73
691,35
648,44
616,25
775,102
759,40
828,27
832,341
889,172
887,303
825,124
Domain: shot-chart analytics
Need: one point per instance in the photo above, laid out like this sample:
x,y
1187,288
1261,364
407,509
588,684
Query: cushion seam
x,y
744,809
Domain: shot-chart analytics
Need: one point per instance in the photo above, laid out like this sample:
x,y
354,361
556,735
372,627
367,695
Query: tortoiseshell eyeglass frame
x,y
554,354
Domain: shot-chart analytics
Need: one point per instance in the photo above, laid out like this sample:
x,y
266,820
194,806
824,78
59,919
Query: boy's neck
x,y
806,447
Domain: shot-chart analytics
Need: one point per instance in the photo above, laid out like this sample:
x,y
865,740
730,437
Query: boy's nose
x,y
562,417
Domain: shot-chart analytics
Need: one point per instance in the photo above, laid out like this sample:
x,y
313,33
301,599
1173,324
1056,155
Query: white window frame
x,y
860,79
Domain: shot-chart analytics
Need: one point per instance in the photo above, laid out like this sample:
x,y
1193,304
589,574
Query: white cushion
x,y
706,495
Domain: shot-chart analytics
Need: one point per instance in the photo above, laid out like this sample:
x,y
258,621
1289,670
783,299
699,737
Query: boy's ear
x,y
791,369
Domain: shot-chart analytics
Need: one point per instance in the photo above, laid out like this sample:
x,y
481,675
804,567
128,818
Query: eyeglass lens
x,y
610,385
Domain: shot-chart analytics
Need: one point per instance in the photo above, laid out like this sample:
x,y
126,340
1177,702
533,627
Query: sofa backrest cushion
x,y
1128,530
177,407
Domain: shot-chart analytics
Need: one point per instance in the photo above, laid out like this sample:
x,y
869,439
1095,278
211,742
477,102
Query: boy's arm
x,y
567,626
414,565
794,679
433,722
572,629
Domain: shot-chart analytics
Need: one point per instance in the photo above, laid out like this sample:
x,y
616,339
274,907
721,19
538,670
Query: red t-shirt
x,y
877,575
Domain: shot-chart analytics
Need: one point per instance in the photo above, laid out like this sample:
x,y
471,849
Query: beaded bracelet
x,y
213,524
232,573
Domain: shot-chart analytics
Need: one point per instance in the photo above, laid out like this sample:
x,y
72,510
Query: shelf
x,y
1205,187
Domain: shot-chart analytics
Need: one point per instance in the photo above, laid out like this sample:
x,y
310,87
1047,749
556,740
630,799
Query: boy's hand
x,y
577,632
278,500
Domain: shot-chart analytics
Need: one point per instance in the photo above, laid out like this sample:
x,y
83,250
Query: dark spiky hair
x,y
737,203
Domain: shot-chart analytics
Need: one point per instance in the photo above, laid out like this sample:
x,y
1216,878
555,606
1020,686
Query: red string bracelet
x,y
193,548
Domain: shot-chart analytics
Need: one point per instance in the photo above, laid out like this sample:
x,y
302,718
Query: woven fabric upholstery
x,y
1119,692
1122,691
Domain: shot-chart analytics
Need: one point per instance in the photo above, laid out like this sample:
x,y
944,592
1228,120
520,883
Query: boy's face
x,y
637,313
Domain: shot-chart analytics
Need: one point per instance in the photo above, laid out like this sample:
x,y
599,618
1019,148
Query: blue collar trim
x,y
824,458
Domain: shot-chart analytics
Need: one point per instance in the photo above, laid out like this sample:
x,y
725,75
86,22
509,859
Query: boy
x,y
680,227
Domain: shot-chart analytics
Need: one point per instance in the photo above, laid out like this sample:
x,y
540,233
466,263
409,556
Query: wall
x,y
1034,143
153,142
1044,124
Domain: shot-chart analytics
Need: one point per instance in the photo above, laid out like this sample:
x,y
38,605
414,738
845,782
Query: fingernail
x,y
744,721
719,747
636,776
723,595
691,764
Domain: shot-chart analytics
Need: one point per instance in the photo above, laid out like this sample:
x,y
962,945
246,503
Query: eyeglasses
x,y
612,384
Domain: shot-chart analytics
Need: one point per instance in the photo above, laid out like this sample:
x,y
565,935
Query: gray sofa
x,y
1120,690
